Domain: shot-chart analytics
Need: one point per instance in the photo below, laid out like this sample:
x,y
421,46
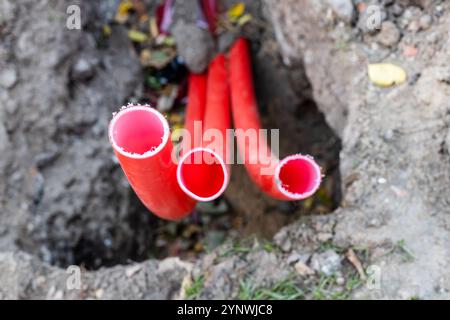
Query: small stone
x,y
287,245
40,280
397,10
327,262
82,70
425,22
303,270
340,281
99,293
343,8
410,19
410,51
131,271
8,78
414,26
389,34
411,13
374,223
388,135
282,240
295,257
195,45
324,236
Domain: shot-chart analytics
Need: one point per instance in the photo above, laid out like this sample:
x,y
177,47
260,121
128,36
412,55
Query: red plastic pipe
x,y
209,8
217,114
202,172
294,178
195,112
140,137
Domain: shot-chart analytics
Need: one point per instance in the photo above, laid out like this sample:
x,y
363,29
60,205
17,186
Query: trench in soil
x,y
214,223
141,235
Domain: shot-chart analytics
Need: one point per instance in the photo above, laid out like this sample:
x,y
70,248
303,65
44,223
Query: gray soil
x,y
385,152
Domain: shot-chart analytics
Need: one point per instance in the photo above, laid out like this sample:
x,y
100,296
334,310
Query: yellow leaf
x,y
244,19
145,57
169,41
122,13
386,74
153,27
308,203
124,7
106,30
177,132
137,36
198,247
236,11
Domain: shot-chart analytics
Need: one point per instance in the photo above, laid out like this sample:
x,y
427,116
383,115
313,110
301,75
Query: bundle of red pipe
x,y
170,187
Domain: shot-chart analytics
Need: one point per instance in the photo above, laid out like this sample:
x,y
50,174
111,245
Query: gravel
x,y
327,262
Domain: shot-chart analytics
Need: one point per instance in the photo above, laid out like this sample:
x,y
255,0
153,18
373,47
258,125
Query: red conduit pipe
x,y
295,177
217,114
209,8
202,172
140,137
195,112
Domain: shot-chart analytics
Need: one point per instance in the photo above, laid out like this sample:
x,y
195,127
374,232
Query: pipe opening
x,y
298,176
202,174
138,131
